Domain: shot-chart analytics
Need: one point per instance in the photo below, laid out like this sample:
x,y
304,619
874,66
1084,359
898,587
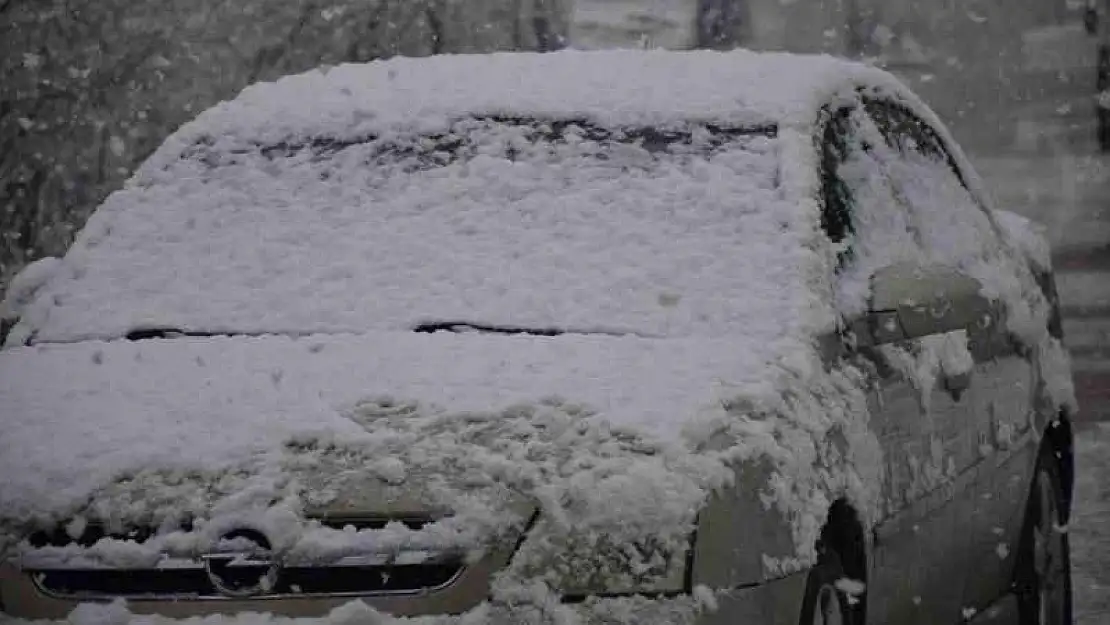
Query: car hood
x,y
442,424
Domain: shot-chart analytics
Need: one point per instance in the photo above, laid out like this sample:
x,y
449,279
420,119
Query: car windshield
x,y
492,222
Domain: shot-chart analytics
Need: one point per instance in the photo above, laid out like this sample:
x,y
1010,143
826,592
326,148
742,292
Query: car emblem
x,y
248,569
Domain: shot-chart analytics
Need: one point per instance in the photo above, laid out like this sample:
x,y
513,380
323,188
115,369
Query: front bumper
x,y
773,603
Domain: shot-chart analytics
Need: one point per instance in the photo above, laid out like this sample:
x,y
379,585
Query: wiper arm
x,y
458,327
461,327
143,334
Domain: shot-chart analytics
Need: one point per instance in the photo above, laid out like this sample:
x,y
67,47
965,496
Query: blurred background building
x,y
1005,74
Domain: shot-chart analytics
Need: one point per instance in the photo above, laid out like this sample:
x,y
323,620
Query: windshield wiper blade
x,y
143,334
461,327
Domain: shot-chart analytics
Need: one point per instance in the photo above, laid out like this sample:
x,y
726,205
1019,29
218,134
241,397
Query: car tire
x,y
824,603
1044,563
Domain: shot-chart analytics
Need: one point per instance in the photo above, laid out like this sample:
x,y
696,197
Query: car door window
x,y
953,226
862,213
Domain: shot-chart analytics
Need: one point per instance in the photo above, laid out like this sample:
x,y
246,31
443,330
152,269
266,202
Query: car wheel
x,y
825,603
1044,568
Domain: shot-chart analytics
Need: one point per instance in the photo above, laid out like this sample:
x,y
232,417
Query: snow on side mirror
x,y
910,300
21,291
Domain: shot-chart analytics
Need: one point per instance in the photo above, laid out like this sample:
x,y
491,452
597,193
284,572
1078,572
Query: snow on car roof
x,y
611,87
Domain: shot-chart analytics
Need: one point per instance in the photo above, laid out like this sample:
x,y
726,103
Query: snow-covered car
x,y
625,337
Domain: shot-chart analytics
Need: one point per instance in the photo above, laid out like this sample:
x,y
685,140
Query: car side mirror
x,y
910,300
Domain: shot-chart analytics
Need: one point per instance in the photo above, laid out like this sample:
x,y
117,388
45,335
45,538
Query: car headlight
x,y
589,561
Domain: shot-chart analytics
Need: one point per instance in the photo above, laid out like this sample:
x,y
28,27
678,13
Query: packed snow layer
x,y
78,417
199,402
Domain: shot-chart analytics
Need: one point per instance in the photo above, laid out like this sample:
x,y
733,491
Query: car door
x,y
920,405
995,450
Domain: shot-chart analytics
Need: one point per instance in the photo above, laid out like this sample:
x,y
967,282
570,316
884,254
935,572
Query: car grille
x,y
240,575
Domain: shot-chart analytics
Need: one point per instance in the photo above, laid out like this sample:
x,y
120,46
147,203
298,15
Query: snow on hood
x,y
618,435
77,416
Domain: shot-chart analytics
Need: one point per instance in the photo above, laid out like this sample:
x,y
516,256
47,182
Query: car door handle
x,y
957,383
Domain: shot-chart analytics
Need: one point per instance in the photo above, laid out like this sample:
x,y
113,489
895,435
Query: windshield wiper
x,y
143,334
458,327
461,327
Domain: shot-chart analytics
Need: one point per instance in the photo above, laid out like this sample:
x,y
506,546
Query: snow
x,y
933,357
571,234
348,227
238,430
913,208
1027,235
199,401
25,285
532,606
611,88
265,217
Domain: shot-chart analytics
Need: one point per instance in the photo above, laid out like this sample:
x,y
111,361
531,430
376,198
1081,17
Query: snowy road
x,y
1090,527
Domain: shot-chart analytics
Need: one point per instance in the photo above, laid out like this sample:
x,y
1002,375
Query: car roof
x,y
611,87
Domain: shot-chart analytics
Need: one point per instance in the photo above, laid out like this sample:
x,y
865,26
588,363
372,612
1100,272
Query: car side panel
x,y
1009,437
916,575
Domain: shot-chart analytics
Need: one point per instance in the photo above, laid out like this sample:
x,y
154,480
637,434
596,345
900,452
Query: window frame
x,y
870,104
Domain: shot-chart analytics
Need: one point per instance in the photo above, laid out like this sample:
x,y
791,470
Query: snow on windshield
x,y
666,232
